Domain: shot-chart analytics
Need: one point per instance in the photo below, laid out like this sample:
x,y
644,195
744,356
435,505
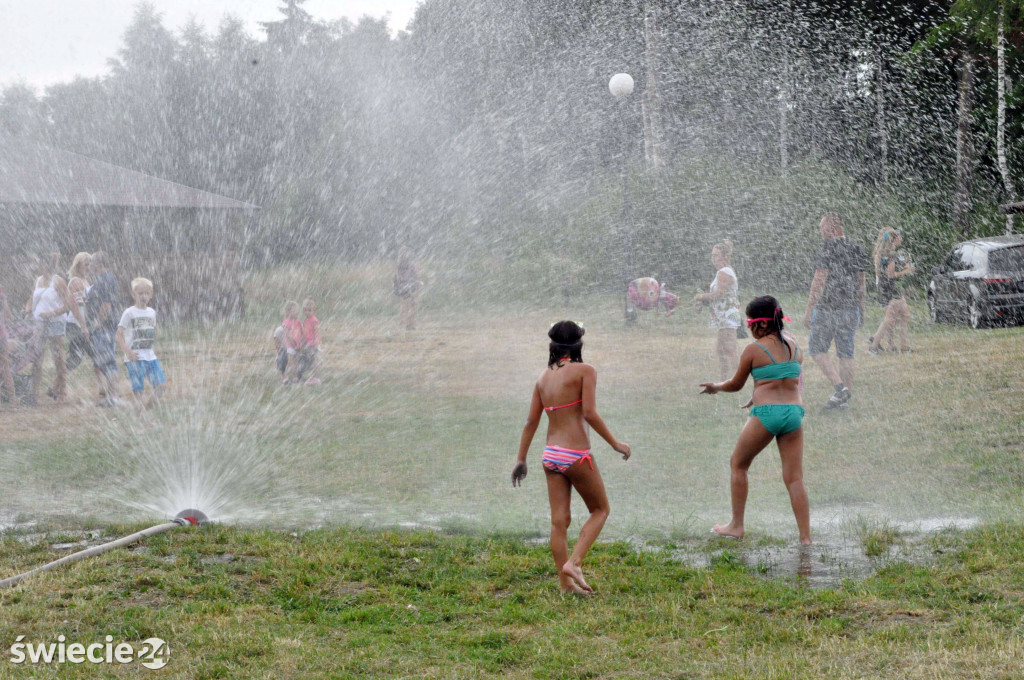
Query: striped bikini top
x,y
777,370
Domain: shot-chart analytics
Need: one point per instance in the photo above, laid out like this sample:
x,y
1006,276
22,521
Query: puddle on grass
x,y
834,557
822,565
840,550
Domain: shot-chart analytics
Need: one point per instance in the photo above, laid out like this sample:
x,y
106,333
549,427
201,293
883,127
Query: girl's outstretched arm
x,y
735,383
529,429
590,412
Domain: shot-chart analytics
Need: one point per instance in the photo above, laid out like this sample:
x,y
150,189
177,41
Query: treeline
x,y
487,127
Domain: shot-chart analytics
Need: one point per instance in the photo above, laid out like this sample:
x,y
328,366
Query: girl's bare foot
x,y
805,541
576,574
727,530
576,591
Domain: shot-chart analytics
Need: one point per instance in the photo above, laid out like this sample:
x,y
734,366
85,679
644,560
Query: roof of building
x,y
33,173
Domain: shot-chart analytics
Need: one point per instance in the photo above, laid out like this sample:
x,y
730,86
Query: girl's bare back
x,y
561,394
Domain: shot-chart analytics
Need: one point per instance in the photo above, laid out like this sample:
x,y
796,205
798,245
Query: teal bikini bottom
x,y
779,418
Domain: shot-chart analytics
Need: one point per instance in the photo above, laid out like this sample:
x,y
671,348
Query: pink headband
x,y
751,322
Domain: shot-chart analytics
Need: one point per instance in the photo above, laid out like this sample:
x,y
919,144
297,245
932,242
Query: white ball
x,y
621,84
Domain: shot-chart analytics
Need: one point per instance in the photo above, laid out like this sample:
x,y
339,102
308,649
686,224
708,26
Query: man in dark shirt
x,y
835,308
100,303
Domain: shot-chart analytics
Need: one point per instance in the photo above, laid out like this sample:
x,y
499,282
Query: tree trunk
x,y
654,131
1001,115
880,131
784,116
964,154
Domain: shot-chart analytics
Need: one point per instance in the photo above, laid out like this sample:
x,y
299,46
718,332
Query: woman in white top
x,y
78,285
49,303
722,299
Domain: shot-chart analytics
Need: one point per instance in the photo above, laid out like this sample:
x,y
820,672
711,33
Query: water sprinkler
x,y
185,518
196,518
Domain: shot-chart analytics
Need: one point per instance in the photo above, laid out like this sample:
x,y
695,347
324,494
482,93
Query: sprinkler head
x,y
191,516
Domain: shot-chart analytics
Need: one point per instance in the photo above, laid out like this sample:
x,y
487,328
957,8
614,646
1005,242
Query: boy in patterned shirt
x,y
135,334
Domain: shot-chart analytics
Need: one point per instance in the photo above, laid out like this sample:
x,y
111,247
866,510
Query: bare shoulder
x,y
751,350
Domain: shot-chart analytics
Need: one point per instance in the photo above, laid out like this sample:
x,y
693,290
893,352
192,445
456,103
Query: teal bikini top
x,y
777,370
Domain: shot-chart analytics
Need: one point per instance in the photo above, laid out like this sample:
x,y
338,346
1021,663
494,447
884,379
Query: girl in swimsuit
x,y
890,267
568,386
774,362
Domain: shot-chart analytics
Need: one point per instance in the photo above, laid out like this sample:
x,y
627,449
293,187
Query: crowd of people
x,y
76,316
73,318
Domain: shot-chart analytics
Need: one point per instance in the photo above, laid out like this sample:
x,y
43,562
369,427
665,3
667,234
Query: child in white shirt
x,y
135,335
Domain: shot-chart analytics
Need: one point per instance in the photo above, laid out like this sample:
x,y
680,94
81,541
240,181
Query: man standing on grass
x,y
835,308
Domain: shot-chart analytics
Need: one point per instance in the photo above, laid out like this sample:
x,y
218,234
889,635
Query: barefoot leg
x,y
791,449
725,348
903,323
753,439
560,497
590,486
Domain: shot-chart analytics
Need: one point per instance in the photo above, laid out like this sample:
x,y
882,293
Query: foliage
x,y
488,119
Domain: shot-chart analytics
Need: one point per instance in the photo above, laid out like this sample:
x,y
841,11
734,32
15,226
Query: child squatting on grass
x,y
569,386
298,344
775,363
135,334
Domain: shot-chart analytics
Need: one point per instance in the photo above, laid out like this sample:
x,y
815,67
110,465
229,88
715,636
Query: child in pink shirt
x,y
309,355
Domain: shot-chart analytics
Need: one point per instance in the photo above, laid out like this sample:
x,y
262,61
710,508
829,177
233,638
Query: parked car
x,y
980,282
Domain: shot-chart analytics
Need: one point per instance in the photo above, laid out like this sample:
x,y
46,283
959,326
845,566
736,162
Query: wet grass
x,y
343,603
878,538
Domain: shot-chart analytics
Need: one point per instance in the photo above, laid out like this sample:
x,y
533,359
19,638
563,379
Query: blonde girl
x,y
79,344
890,267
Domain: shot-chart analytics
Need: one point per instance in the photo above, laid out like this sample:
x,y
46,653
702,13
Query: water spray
x,y
185,518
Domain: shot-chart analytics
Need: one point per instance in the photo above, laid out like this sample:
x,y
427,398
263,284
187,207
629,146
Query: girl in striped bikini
x,y
569,385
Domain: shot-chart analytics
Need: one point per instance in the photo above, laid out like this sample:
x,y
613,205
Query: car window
x,y
1007,259
952,262
969,257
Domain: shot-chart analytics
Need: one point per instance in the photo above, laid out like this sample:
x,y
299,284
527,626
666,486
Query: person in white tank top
x,y
49,303
722,300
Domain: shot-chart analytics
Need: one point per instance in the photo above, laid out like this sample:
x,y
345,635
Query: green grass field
x,y
418,431
339,603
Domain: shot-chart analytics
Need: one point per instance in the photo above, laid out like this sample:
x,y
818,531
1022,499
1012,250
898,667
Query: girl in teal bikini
x,y
774,362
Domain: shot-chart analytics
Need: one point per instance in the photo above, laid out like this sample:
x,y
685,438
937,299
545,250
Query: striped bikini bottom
x,y
558,459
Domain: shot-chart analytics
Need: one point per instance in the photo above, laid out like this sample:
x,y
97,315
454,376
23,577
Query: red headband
x,y
751,322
